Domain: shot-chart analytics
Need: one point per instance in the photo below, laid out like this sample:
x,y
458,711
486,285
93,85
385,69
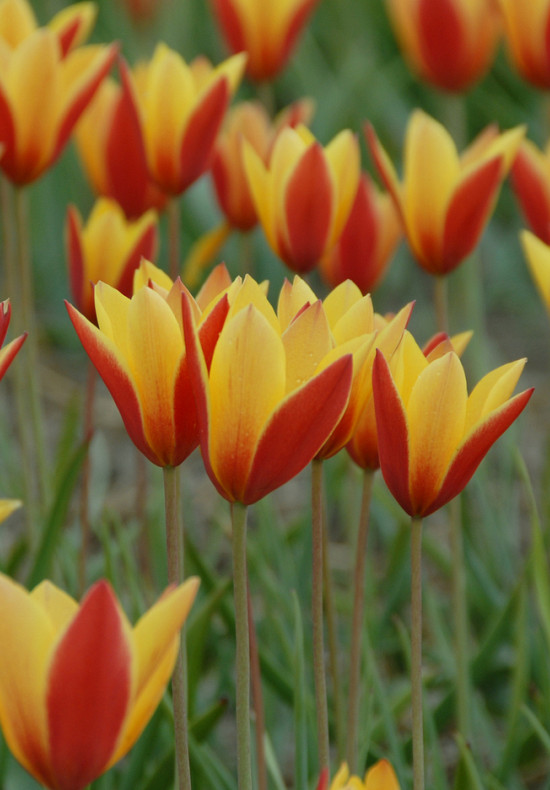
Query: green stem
x,y
317,614
174,550
174,237
244,769
441,303
85,487
460,616
257,696
357,620
416,654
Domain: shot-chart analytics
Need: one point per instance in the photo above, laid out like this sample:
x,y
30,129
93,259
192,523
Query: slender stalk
x,y
317,614
460,617
257,696
174,550
441,303
416,654
244,769
174,237
332,638
357,620
85,487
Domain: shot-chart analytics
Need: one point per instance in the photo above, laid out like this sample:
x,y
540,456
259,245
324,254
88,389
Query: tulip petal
x,y
307,341
385,168
8,353
57,605
292,298
298,428
492,391
381,776
530,179
89,690
441,33
75,256
537,253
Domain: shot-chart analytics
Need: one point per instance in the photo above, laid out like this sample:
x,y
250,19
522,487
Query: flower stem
x,y
357,619
257,696
416,654
174,237
317,614
460,616
244,768
85,487
441,303
174,550
332,638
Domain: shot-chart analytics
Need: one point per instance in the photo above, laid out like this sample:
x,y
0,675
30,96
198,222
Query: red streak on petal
x,y
7,136
89,691
230,24
68,34
441,35
533,192
75,258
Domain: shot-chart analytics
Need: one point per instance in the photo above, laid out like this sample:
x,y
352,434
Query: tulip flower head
x,y
380,776
266,31
445,200
7,353
537,253
139,350
448,43
111,146
526,27
107,248
77,683
531,182
72,25
432,435
305,194
42,95
364,250
270,399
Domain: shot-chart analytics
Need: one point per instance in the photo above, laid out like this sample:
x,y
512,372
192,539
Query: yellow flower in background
x,y
380,776
526,30
537,253
78,684
72,25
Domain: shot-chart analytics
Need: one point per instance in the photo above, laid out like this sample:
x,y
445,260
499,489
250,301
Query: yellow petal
x,y
340,300
57,605
7,506
291,300
112,316
17,21
251,292
146,272
343,156
492,391
538,258
381,777
358,320
261,191
307,341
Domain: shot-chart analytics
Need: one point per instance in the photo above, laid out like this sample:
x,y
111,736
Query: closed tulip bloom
x,y
531,182
364,250
537,253
270,399
432,435
7,353
111,146
380,776
305,194
449,43
445,200
42,95
526,27
182,107
108,248
77,683
139,351
72,25
267,31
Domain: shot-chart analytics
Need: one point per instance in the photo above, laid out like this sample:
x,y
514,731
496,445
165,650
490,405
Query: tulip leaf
x,y
201,726
467,776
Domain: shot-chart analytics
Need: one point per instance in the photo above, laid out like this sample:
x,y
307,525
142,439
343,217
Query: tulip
x,y
111,147
431,435
537,253
364,250
380,776
7,353
266,31
531,182
270,399
445,200
304,197
77,683
182,108
42,95
448,43
143,12
526,30
108,248
139,351
72,25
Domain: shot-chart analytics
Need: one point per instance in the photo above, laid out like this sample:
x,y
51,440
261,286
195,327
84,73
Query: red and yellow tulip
x,y
108,248
432,435
7,353
537,253
270,399
139,351
77,683
445,200
182,107
526,28
266,31
380,776
42,95
531,181
111,147
72,25
364,250
449,43
305,194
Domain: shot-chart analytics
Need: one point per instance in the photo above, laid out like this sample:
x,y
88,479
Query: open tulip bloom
x,y
77,683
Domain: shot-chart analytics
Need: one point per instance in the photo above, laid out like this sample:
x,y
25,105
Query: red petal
x,y
145,247
298,429
441,35
308,210
5,317
532,190
89,690
230,23
468,212
297,22
474,449
68,35
393,433
75,259
7,135
211,327
8,353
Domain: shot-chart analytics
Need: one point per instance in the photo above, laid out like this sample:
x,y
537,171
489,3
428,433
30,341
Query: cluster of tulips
x,y
264,386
